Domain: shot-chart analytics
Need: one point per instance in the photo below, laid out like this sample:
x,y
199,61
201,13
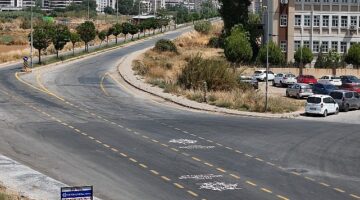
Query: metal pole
x,y
117,11
88,9
139,13
31,37
267,60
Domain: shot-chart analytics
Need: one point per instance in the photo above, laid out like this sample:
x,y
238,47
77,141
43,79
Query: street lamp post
x,y
88,10
31,36
267,59
117,11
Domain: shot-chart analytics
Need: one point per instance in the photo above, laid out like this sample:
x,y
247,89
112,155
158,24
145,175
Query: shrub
x,y
165,45
215,73
237,46
6,39
203,27
214,42
140,68
25,23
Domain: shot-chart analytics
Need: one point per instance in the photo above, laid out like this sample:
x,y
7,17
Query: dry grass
x,y
10,195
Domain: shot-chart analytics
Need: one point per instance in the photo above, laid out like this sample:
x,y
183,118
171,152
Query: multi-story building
x,y
255,6
321,25
102,4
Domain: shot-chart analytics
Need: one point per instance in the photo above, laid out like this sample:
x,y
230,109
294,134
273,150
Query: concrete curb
x,y
128,75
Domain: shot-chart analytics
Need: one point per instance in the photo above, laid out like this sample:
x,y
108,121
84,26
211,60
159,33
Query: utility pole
x,y
155,8
267,59
117,11
88,1
31,36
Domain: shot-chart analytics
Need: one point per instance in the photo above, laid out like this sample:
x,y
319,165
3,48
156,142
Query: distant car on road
x,y
351,83
321,105
346,99
260,75
330,79
284,79
299,90
250,80
308,79
319,88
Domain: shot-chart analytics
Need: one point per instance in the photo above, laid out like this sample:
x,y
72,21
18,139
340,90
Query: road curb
x,y
124,69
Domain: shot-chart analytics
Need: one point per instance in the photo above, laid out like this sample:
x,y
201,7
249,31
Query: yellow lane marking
x,y
355,196
324,184
133,160
233,175
208,164
174,149
165,145
339,190
124,155
102,85
195,158
143,166
165,178
308,178
192,193
154,172
266,190
114,150
251,183
248,155
105,145
259,159
281,197
219,169
179,186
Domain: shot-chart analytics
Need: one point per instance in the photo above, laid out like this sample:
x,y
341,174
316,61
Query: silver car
x,y
299,90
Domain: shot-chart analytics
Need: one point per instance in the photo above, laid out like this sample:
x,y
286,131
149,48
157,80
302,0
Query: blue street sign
x,y
75,193
25,58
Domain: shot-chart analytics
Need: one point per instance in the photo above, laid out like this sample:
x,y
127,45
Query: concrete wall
x,y
310,71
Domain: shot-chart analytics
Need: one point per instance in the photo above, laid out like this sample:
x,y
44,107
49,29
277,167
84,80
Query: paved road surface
x,y
130,147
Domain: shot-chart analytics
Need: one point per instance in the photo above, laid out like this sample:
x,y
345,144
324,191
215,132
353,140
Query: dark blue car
x,y
319,88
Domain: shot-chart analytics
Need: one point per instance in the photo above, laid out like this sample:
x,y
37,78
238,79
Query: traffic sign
x,y
77,193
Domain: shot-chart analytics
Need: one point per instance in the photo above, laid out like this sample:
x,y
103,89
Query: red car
x,y
308,79
351,83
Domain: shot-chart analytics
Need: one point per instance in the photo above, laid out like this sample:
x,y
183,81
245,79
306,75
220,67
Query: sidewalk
x,y
126,72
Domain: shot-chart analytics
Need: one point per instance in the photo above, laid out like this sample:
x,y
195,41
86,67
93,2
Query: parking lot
x,y
351,117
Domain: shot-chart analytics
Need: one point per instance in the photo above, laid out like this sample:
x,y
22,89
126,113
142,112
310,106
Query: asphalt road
x,y
128,145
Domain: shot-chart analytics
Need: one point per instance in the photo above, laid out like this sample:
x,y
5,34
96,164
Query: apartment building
x,y
255,6
321,25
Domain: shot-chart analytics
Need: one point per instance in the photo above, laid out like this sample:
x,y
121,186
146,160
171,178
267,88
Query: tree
x,y
234,12
303,56
42,36
125,6
353,55
116,29
74,38
126,27
208,9
320,61
276,57
333,60
142,27
133,30
109,10
254,27
237,46
87,33
108,33
60,36
102,36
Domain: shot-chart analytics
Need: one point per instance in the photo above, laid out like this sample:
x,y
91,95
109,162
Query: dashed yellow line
x,y
105,145
248,155
208,164
114,150
251,183
237,151
339,190
91,137
123,155
259,159
219,144
310,179
155,141
179,186
269,163
266,190
98,141
192,193
165,145
174,149
185,154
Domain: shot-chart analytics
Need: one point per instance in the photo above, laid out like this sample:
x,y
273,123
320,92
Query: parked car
x,y
330,79
319,88
321,105
346,99
260,75
351,83
284,79
250,80
299,90
308,79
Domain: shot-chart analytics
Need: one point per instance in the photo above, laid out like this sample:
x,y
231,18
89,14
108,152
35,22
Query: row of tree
x,y
47,33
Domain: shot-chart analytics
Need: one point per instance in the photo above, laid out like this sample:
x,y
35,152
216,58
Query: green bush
x,y
25,23
215,73
214,42
165,45
6,39
203,27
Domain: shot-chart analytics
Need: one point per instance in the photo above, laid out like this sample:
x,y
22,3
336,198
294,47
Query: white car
x,y
283,79
321,105
330,80
260,75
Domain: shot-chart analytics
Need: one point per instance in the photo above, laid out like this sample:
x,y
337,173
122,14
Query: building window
x,y
335,1
316,21
326,1
344,1
344,21
352,43
353,1
283,46
317,1
325,20
307,20
316,46
297,20
334,46
353,21
343,47
335,21
283,20
325,46
297,45
307,44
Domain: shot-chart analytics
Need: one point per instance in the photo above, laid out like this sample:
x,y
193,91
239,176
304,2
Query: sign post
x,y
77,193
26,67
